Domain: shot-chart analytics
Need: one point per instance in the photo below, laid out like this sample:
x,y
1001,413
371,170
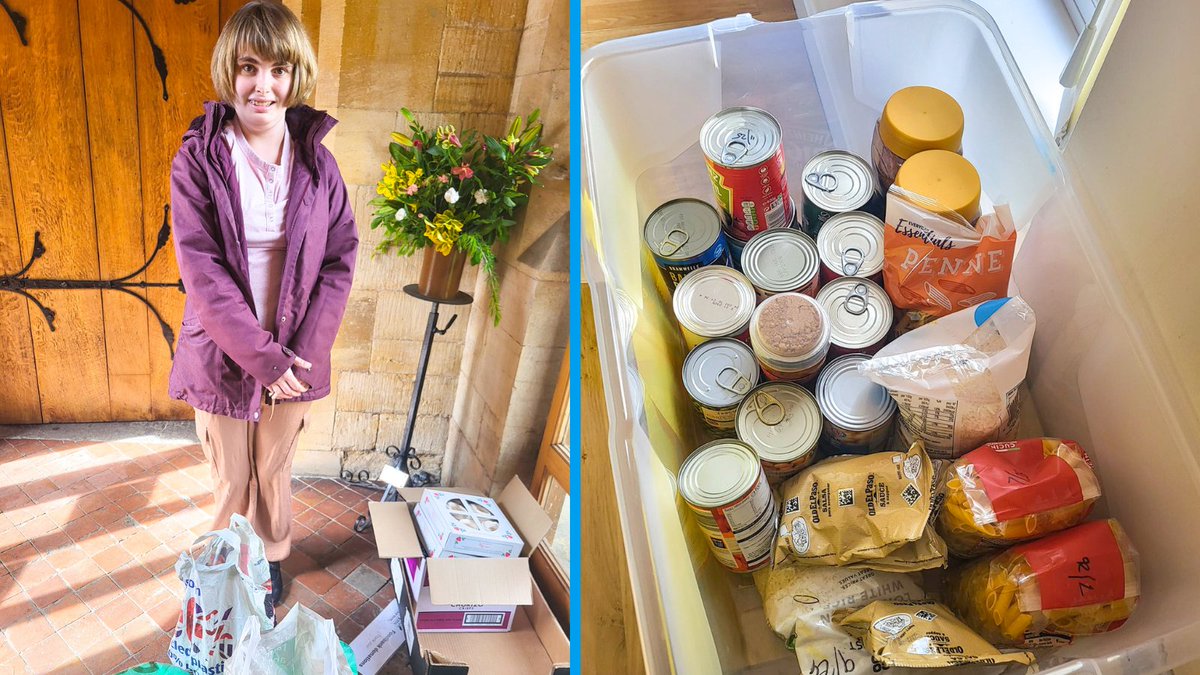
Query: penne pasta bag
x,y
921,634
1004,493
1043,593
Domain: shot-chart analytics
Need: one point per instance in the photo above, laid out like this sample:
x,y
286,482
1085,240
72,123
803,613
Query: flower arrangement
x,y
451,191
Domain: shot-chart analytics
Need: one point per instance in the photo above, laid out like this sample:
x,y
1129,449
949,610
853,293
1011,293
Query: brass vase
x,y
441,274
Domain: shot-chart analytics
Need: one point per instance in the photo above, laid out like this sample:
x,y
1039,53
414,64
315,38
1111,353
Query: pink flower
x,y
418,144
453,139
443,179
412,189
463,172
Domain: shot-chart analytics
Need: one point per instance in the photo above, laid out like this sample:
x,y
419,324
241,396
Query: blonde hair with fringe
x,y
272,31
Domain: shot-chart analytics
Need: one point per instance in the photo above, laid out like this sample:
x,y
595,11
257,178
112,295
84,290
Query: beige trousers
x,y
252,470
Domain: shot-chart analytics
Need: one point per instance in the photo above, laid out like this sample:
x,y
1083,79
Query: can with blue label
x,y
685,235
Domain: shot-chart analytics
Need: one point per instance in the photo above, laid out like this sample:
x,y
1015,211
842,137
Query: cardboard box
x,y
455,524
462,594
534,642
450,618
535,645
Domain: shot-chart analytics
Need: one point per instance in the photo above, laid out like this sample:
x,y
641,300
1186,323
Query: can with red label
x,y
851,245
781,261
724,484
744,150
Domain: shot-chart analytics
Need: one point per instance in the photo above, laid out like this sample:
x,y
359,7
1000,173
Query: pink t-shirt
x,y
264,194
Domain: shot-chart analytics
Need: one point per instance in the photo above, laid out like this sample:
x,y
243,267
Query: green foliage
x,y
449,191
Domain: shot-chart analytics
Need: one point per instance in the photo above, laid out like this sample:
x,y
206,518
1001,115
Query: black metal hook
x,y
442,331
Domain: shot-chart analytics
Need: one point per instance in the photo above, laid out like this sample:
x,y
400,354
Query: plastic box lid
x,y
1097,373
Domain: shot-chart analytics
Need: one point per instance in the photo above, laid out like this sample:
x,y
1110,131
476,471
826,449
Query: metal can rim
x,y
709,239
837,368
737,487
828,237
862,195
737,322
830,294
700,351
805,446
756,247
710,127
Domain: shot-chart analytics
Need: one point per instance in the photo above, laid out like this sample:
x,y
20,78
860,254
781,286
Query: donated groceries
x,y
856,363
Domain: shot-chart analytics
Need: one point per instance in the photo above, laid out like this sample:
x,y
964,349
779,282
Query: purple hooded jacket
x,y
225,360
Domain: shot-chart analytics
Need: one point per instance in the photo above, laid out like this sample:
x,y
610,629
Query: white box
x,y
1095,375
456,525
461,594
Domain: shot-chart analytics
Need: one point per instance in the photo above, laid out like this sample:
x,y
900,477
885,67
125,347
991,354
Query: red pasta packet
x,y
1031,476
1079,567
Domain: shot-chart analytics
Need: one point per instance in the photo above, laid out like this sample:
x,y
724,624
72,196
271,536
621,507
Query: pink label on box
x,y
464,621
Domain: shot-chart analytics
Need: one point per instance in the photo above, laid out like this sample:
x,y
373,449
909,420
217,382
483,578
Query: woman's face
x,y
261,89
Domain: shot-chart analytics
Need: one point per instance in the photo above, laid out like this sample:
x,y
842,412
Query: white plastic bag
x,y
225,588
304,643
956,380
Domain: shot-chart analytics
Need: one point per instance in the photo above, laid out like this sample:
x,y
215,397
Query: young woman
x,y
266,241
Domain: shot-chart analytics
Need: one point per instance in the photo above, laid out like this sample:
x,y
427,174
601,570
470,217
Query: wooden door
x,y
95,96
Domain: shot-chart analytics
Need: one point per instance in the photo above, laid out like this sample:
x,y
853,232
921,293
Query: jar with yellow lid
x,y
948,180
914,119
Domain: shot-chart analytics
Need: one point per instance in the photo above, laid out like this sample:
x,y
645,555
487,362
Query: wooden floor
x,y
611,641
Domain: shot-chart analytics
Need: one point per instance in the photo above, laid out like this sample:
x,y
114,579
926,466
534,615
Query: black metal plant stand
x,y
405,457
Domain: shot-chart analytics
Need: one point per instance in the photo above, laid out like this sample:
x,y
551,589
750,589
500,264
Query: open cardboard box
x,y
469,588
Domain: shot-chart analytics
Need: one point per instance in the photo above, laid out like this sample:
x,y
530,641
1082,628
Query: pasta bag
x,y
1004,493
921,634
1044,593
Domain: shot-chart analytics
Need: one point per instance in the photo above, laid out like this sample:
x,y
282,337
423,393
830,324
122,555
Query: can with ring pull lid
x,y
743,148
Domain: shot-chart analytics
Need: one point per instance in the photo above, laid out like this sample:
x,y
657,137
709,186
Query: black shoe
x,y
276,584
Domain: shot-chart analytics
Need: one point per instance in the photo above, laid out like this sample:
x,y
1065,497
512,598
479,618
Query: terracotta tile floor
x,y
89,536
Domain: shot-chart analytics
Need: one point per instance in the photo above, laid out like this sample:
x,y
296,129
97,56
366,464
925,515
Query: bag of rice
x,y
799,601
955,380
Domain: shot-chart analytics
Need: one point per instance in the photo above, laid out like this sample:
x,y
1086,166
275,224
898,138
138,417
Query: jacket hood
x,y
307,126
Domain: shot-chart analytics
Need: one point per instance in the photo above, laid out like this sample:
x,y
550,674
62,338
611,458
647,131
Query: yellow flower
x,y
443,232
393,184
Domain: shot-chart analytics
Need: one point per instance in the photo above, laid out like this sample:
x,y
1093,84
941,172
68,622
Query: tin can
x,y
736,247
726,488
835,182
851,245
781,261
743,148
717,375
685,235
782,422
790,336
860,315
714,302
858,413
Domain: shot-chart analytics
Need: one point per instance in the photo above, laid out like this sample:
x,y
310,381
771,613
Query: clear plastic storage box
x,y
1095,374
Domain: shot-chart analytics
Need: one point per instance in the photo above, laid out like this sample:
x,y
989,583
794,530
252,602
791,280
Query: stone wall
x,y
461,62
508,375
